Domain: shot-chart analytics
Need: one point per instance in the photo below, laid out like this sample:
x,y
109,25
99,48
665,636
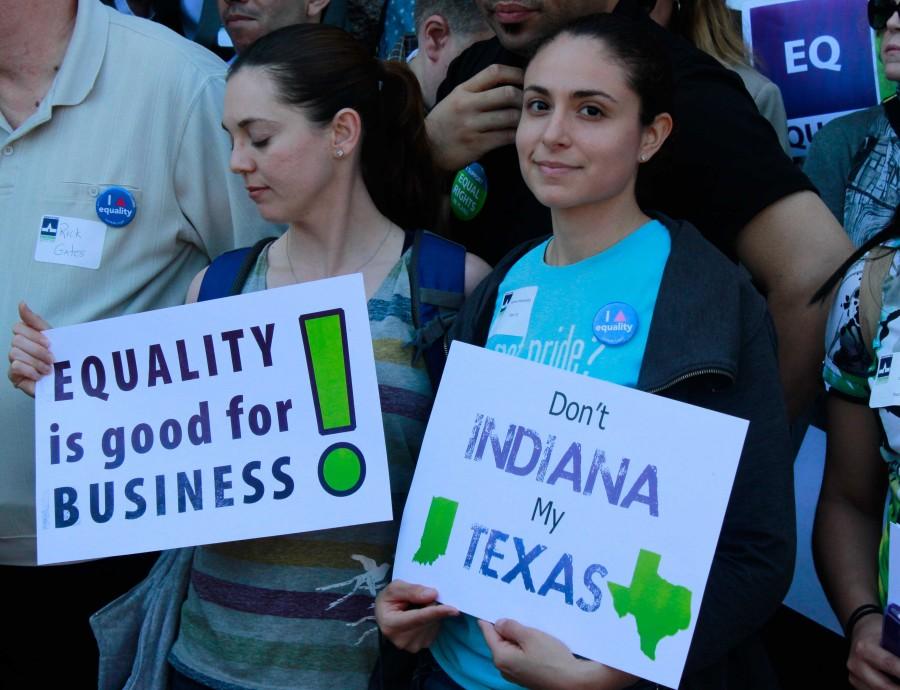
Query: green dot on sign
x,y
342,469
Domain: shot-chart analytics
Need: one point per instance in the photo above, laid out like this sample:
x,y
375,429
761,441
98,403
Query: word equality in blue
x,y
159,365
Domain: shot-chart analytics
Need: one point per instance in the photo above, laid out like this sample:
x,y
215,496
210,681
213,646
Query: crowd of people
x,y
626,152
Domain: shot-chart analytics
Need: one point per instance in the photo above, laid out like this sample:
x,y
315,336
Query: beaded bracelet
x,y
858,613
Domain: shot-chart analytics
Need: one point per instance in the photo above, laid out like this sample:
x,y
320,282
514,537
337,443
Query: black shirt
x,y
722,165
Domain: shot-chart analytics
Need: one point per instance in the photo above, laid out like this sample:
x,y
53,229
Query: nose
x,y
556,129
241,162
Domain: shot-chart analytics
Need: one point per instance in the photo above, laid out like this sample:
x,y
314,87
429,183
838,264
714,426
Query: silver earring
x,y
339,153
643,158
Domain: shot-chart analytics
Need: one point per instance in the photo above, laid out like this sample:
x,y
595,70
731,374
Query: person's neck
x,y
340,235
417,67
582,232
34,37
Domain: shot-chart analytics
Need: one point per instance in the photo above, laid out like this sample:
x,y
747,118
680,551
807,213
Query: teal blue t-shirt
x,y
592,318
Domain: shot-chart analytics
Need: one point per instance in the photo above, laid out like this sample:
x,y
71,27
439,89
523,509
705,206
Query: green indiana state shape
x,y
436,535
660,608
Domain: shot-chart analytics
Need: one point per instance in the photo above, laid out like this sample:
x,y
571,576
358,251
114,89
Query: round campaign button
x,y
615,324
470,189
116,207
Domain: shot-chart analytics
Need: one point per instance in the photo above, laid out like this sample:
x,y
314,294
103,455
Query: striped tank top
x,y
297,611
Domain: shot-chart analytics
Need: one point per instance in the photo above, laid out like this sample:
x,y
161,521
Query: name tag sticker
x,y
515,312
885,386
70,241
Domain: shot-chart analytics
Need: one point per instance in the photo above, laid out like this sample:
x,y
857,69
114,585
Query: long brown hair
x,y
322,70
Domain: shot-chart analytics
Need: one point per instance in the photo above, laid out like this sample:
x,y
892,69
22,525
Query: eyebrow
x,y
582,93
246,122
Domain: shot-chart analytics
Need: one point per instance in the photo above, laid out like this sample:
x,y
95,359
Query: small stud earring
x,y
339,153
643,158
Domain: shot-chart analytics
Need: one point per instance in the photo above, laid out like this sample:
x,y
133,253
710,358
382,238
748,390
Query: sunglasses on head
x,y
880,11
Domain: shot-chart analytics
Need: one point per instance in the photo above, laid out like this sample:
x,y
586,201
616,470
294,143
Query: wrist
x,y
857,615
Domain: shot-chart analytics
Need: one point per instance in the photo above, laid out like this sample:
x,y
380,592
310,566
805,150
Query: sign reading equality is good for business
x,y
585,509
245,417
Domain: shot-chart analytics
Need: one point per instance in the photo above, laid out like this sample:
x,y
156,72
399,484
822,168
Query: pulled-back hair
x,y
648,70
322,69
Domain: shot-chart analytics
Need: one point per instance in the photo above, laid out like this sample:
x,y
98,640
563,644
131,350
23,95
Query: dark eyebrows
x,y
593,94
246,122
576,95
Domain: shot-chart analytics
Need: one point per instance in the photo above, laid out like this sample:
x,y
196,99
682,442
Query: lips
x,y
256,192
554,168
236,18
512,12
554,165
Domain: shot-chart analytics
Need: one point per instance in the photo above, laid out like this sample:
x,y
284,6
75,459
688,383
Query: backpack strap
x,y
226,275
437,283
871,293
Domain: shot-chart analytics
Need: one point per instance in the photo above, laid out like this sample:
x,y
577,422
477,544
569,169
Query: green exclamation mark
x,y
342,468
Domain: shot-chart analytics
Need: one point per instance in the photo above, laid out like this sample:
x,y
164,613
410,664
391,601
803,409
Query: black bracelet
x,y
858,613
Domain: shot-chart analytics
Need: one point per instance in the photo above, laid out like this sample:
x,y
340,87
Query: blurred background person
x,y
713,28
854,160
79,135
444,28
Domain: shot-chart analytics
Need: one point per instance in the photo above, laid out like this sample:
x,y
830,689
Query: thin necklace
x,y
356,270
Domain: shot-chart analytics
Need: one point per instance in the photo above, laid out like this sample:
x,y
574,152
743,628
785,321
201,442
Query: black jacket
x,y
712,344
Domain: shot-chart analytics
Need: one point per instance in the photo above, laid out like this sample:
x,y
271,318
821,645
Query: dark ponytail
x,y
888,232
397,163
322,70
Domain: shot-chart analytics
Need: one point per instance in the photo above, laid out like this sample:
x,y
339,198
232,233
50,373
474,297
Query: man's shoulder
x,y
140,42
853,126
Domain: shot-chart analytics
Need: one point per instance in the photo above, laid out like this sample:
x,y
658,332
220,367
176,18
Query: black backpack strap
x,y
437,288
226,275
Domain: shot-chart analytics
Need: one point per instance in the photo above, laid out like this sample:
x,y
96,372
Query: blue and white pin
x,y
116,206
616,323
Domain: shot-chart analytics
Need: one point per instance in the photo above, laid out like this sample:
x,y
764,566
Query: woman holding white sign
x,y
636,299
331,142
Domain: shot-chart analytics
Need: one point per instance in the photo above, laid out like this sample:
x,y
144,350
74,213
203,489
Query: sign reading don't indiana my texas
x,y
571,505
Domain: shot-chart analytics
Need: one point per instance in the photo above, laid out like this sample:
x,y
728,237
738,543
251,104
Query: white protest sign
x,y
252,416
585,509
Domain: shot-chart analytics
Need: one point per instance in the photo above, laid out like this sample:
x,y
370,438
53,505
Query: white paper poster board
x,y
583,508
245,417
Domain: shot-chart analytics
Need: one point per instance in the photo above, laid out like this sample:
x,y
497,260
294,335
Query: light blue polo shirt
x,y
592,318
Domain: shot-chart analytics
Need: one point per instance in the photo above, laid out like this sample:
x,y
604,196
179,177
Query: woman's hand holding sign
x,y
29,353
534,659
409,615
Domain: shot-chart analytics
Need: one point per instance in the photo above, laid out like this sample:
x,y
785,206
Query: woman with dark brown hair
x,y
331,142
